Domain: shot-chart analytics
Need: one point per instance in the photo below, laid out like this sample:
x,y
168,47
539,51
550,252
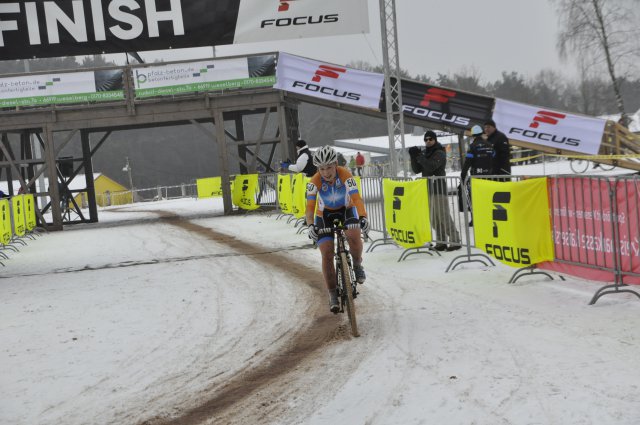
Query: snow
x,y
164,306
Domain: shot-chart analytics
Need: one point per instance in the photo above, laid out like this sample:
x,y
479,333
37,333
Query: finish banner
x,y
210,187
558,130
443,106
284,193
511,220
406,209
5,222
328,81
255,71
244,192
51,28
60,88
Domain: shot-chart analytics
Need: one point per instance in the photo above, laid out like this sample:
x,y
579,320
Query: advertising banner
x,y
29,211
443,106
5,222
284,193
245,189
511,220
299,195
583,222
328,81
211,75
558,130
17,215
60,88
406,209
52,28
210,187
269,20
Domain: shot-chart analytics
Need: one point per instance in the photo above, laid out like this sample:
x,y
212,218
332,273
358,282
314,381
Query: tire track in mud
x,y
320,329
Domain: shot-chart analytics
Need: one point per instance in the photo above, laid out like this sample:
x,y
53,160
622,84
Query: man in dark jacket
x,y
304,160
432,162
502,163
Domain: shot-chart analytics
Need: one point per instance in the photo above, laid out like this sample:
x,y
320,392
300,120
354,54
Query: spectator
x,y
352,165
480,158
502,163
432,162
359,163
304,161
341,160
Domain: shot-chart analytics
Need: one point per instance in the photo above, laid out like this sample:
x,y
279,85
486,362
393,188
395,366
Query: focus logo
x,y
550,118
504,252
441,96
283,6
327,71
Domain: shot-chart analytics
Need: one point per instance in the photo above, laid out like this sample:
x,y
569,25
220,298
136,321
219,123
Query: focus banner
x,y
511,220
17,214
328,81
558,130
260,20
443,106
299,195
29,211
254,71
210,187
406,209
284,193
51,28
5,222
245,189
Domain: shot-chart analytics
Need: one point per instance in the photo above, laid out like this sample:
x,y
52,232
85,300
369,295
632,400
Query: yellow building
x,y
108,192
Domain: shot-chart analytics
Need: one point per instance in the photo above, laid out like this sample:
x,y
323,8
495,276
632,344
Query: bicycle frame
x,y
345,276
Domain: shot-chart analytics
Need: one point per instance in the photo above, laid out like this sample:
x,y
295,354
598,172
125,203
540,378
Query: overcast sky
x,y
435,36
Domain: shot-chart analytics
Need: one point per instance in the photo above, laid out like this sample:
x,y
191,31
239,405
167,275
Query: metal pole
x,y
392,87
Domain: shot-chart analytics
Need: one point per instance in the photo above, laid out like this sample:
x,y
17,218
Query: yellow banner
x,y
17,212
511,220
299,195
210,187
284,193
245,189
29,211
5,222
406,209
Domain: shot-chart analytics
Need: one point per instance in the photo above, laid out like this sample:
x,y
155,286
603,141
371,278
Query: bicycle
x,y
345,276
579,165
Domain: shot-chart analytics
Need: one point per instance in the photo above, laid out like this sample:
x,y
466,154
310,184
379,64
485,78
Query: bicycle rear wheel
x,y
607,167
578,166
347,295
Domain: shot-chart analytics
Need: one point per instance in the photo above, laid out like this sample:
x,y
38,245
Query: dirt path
x,y
268,379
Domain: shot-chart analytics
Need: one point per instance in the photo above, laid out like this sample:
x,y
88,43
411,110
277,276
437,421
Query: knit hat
x,y
301,143
492,123
431,134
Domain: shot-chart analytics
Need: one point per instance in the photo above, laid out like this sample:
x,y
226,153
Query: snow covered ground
x,y
169,313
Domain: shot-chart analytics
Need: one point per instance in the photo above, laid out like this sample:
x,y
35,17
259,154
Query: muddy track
x,y
268,377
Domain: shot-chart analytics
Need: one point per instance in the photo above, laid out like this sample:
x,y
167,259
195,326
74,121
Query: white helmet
x,y
326,155
476,130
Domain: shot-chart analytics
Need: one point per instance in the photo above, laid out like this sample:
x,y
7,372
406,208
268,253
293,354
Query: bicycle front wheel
x,y
347,295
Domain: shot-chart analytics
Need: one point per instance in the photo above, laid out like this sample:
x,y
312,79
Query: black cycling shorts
x,y
348,216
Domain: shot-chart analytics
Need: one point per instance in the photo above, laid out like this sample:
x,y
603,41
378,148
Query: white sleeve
x,y
300,163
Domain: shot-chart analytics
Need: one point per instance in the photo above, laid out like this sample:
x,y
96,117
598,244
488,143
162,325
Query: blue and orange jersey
x,y
342,193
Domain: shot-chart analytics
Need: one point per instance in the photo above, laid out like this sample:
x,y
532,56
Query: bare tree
x,y
601,33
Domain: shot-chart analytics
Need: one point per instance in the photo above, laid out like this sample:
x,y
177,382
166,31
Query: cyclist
x,y
335,191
